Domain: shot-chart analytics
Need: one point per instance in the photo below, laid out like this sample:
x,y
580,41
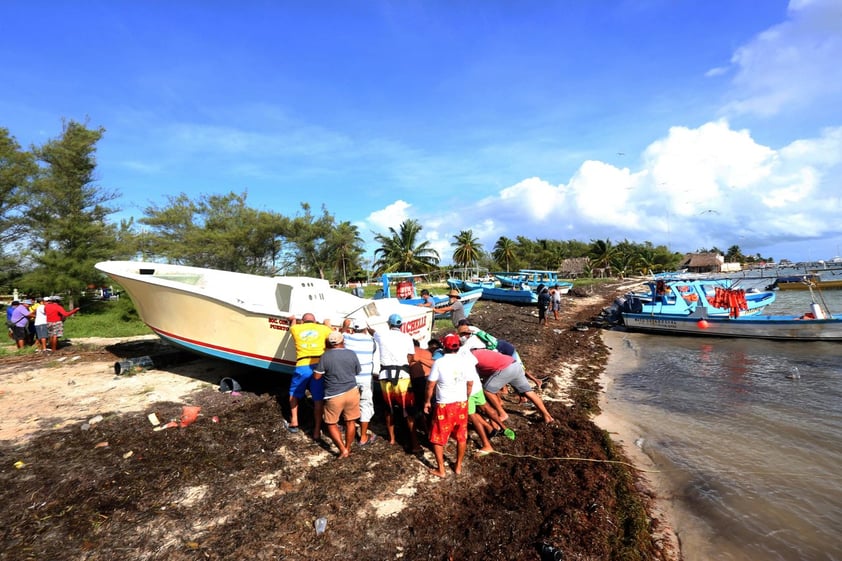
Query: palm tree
x,y
468,249
602,254
505,251
345,248
400,250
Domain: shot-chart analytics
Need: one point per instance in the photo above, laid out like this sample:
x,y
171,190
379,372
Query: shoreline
x,y
675,523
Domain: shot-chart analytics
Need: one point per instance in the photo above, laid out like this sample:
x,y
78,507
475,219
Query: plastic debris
x,y
189,413
128,455
19,464
94,420
321,525
215,419
153,419
132,365
103,444
229,385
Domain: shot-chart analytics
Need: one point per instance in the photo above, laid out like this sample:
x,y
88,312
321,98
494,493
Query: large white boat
x,y
245,318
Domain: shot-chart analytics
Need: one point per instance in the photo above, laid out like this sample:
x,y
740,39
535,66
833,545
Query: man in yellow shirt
x,y
310,338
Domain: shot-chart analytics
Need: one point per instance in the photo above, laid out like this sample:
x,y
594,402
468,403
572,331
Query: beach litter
x,y
189,414
133,365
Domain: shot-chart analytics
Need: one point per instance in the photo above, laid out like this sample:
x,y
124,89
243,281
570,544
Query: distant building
x,y
574,267
703,263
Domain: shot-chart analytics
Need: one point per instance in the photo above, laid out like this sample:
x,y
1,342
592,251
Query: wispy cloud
x,y
793,63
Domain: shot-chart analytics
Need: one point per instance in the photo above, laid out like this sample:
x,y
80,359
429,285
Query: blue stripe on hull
x,y
231,356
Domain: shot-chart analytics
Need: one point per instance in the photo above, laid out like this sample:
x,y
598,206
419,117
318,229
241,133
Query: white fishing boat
x,y
245,318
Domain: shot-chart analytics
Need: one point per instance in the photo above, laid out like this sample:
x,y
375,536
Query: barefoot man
x,y
451,381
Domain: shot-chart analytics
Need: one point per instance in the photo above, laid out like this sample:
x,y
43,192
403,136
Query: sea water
x,y
747,435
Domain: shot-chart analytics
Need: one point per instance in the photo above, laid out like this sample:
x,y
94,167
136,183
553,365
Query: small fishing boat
x,y
533,278
807,327
405,291
806,282
245,318
717,297
518,296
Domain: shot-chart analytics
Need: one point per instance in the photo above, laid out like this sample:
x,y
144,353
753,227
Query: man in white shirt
x,y
396,350
451,380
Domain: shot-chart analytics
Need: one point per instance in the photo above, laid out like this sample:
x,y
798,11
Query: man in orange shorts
x,y
450,379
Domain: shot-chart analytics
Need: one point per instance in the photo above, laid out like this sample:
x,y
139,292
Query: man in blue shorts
x,y
310,338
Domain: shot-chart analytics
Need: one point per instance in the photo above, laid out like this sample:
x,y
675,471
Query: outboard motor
x,y
614,312
633,305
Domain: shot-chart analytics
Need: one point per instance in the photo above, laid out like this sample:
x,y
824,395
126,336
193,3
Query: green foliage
x,y
505,252
17,171
344,250
468,249
316,246
215,231
401,251
66,217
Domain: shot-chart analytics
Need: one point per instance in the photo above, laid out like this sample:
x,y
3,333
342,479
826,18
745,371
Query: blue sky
x,y
690,123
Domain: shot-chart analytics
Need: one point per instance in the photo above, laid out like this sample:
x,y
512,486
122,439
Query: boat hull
x,y
806,285
510,296
245,318
784,328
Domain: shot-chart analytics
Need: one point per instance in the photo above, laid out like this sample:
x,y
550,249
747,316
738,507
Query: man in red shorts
x,y
451,381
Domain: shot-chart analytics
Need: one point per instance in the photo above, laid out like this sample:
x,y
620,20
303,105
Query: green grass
x,y
113,318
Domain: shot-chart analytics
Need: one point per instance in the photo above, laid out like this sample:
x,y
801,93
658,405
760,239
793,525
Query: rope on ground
x,y
574,459
676,470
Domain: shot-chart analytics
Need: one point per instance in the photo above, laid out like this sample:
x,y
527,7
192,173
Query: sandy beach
x,y
625,433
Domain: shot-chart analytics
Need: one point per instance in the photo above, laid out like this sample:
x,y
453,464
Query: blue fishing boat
x,y
403,284
532,278
717,297
501,294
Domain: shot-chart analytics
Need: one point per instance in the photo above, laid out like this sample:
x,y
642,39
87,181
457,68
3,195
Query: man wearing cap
x,y
455,307
396,351
450,381
337,369
310,338
359,340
